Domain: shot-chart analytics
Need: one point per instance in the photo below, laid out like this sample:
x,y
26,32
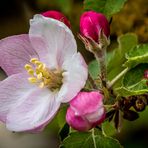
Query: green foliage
x,y
137,55
94,69
85,140
61,116
116,58
108,129
65,5
134,82
107,7
58,122
63,133
125,43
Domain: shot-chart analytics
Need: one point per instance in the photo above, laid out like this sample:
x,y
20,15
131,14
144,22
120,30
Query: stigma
x,y
42,76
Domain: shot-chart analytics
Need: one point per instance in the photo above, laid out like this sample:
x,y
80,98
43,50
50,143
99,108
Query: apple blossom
x,y
91,23
54,73
86,111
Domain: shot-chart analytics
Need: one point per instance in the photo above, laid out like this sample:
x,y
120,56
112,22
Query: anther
x,y
38,63
39,76
32,80
33,60
41,66
31,71
28,67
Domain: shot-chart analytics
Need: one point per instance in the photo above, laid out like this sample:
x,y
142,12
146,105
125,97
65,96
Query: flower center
x,y
42,76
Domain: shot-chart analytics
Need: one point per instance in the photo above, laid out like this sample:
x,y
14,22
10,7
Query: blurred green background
x,y
14,19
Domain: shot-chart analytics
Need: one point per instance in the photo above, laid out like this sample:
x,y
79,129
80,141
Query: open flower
x,y
86,111
54,73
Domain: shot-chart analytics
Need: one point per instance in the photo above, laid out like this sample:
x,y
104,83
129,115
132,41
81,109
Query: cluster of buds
x,y
86,109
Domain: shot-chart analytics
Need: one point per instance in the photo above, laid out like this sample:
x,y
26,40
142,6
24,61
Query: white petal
x,y
13,92
34,113
52,39
75,77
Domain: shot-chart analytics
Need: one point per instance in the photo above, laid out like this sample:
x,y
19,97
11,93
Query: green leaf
x,y
126,43
137,55
61,116
85,140
59,120
107,7
65,5
108,129
134,82
64,132
94,69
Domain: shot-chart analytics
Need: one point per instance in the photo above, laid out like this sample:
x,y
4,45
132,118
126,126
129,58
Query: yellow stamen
x,y
33,60
32,80
41,66
38,63
39,76
28,67
42,76
31,72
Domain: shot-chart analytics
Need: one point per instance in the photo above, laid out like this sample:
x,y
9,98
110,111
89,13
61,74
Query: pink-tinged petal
x,y
87,102
52,40
34,113
75,77
13,92
15,52
97,115
77,122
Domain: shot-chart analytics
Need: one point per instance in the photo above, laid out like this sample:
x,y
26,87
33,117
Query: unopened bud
x,y
86,111
92,23
58,16
94,31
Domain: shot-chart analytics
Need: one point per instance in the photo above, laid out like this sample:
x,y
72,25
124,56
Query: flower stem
x,y
117,78
91,81
101,59
93,136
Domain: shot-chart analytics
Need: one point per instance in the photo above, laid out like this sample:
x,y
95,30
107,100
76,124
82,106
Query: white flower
x,y
56,73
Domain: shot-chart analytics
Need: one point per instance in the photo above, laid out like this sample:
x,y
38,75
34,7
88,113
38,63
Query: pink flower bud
x,y
91,23
58,16
86,111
